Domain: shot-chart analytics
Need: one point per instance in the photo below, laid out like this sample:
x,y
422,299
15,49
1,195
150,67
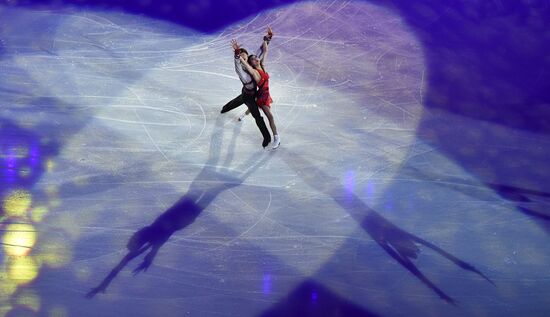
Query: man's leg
x,y
237,101
250,102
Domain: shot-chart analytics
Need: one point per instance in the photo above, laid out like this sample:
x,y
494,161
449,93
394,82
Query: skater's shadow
x,y
398,243
207,185
526,199
532,203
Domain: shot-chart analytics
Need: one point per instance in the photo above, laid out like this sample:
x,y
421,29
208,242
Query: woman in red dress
x,y
255,67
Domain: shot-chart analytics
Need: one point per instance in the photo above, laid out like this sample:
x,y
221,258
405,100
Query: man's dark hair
x,y
243,51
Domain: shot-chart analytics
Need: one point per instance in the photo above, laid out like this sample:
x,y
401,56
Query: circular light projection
x,y
19,239
22,270
17,203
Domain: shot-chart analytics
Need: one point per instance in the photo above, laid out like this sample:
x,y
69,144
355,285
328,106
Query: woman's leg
x,y
255,112
269,115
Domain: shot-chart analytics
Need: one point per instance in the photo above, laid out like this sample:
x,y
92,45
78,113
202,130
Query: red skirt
x,y
263,98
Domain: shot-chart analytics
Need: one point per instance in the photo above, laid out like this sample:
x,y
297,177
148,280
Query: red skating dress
x,y
263,98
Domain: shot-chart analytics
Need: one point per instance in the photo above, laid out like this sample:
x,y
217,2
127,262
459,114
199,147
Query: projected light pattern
x,y
10,171
19,159
19,239
119,143
156,103
21,166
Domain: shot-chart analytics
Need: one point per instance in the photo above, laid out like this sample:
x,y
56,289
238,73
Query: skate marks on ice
x,y
139,93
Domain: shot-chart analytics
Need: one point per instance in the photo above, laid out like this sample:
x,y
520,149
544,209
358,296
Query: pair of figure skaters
x,y
255,91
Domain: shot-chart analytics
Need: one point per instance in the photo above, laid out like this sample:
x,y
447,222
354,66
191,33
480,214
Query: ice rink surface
x,y
374,205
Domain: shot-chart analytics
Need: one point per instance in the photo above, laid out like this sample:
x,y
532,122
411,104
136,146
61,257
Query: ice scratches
x,y
243,233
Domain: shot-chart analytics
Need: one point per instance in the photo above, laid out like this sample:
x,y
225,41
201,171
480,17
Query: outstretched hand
x,y
268,37
235,45
143,266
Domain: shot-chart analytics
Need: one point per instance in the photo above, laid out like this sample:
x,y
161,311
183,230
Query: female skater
x,y
255,67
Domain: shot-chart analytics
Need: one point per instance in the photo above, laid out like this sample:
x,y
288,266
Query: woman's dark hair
x,y
250,58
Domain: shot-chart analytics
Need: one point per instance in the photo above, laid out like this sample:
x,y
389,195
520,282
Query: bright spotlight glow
x,y
19,239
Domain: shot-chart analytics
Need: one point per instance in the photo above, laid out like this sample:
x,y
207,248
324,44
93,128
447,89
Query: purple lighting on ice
x,y
267,284
314,296
370,190
349,185
34,155
11,164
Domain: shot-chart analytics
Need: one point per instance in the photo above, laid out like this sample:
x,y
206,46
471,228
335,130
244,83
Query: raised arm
x,y
148,260
267,39
114,272
264,54
243,76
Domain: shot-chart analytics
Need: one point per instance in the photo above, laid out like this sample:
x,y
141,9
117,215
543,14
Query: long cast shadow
x,y
201,193
398,243
526,200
